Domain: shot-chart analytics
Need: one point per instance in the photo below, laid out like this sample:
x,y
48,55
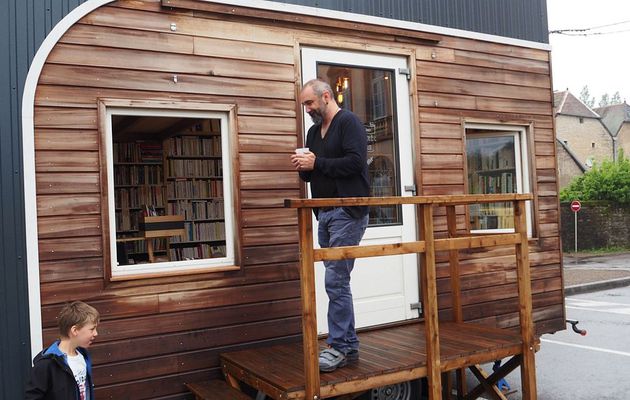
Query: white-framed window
x,y
170,196
497,161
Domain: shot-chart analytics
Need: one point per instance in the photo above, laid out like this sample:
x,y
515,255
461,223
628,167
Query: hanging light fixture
x,y
341,85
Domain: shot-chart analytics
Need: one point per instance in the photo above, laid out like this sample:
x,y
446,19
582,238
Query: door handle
x,y
410,188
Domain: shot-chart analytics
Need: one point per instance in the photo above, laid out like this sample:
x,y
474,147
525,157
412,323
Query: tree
x,y
604,100
585,97
608,181
616,99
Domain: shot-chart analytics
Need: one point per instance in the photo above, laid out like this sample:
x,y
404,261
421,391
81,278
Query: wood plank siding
x,y
158,334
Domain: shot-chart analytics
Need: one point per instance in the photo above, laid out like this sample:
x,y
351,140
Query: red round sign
x,y
575,206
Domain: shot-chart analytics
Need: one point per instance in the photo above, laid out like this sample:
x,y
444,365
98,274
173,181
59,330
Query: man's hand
x,y
304,161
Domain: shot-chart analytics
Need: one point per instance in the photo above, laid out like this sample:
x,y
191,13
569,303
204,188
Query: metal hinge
x,y
411,188
417,306
406,72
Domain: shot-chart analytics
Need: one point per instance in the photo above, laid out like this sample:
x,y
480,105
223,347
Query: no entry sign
x,y
575,206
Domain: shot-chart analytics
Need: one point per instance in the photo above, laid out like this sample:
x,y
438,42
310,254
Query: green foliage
x,y
608,181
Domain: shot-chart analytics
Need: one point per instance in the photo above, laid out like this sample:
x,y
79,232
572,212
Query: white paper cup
x,y
302,150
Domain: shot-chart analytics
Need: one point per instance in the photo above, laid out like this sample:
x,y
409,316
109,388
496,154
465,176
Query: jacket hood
x,y
54,351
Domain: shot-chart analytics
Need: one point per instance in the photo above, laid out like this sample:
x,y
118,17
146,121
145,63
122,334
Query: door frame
x,y
410,130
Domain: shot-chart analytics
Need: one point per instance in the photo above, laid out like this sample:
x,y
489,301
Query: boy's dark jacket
x,y
52,378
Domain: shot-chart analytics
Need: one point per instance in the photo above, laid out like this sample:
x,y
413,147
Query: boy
x,y
64,370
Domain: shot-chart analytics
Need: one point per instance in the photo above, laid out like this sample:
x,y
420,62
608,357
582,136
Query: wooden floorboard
x,y
390,355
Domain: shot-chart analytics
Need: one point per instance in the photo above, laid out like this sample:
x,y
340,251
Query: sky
x,y
600,61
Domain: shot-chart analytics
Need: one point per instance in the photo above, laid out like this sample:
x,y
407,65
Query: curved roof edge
x,y
394,23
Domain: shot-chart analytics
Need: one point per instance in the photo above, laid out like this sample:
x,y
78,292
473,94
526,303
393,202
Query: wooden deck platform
x,y
388,355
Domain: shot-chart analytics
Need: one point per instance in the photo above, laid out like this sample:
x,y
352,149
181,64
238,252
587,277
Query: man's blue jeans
x,y
338,228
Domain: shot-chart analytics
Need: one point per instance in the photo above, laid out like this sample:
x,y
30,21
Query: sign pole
x,y
575,207
575,231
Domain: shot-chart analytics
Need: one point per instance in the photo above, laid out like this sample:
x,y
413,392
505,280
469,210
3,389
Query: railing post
x,y
453,261
429,298
528,367
309,316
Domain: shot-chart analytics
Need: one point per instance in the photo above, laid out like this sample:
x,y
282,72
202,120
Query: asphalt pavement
x,y
588,273
574,367
595,366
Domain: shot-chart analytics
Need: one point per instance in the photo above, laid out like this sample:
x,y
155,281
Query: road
x,y
595,366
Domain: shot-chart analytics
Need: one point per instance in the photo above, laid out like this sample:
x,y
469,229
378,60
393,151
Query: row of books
x,y
492,215
134,197
127,221
201,231
195,168
138,175
198,210
195,146
140,246
200,251
144,152
194,189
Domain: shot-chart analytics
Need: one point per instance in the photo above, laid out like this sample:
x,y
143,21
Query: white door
x,y
373,87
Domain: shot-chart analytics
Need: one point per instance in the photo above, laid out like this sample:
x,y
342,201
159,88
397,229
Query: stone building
x,y
616,118
580,129
569,166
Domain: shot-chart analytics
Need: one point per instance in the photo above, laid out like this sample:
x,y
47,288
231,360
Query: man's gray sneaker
x,y
352,356
331,359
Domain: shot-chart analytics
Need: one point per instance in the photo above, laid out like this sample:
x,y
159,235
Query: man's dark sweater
x,y
341,160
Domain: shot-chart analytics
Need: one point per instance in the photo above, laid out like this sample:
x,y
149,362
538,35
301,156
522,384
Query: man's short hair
x,y
319,87
76,313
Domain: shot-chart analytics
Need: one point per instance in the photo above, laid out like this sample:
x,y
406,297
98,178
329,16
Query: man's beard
x,y
316,116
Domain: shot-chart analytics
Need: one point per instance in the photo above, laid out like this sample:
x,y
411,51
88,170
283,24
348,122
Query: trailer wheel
x,y
409,390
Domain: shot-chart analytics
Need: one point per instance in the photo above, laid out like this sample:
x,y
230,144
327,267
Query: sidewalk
x,y
585,273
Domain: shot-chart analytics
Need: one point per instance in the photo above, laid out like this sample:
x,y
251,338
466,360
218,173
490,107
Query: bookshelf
x,y
194,189
177,174
492,172
138,189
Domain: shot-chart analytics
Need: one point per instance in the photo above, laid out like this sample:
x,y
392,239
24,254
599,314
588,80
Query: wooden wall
x,y
157,334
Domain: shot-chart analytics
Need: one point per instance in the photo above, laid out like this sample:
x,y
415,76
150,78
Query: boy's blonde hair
x,y
76,313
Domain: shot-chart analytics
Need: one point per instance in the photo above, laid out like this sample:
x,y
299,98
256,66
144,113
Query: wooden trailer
x,y
159,134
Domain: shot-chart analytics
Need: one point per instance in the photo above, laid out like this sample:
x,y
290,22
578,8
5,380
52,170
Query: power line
x,y
585,31
588,33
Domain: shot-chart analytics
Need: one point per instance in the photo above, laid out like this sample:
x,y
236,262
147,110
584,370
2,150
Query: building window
x,y
593,145
589,161
170,193
497,162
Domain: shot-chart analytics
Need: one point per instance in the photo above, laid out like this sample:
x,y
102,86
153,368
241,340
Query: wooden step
x,y
215,389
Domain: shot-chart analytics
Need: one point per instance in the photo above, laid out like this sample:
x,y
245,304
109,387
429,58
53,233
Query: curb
x,y
596,286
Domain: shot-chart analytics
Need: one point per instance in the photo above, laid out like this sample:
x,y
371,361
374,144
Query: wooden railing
x,y
426,247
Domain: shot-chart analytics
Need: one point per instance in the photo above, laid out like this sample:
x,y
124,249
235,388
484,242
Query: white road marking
x,y
580,346
623,311
595,303
598,306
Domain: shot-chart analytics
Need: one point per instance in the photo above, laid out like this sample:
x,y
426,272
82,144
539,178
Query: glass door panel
x,y
369,93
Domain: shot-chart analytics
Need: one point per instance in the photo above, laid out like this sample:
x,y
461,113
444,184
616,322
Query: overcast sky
x,y
600,61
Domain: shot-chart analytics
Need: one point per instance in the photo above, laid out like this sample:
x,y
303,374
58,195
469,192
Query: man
x,y
336,166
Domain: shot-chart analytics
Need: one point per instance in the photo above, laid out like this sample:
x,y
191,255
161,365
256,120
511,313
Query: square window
x,y
496,159
169,191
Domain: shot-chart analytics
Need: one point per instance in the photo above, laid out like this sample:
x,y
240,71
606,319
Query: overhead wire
x,y
588,31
